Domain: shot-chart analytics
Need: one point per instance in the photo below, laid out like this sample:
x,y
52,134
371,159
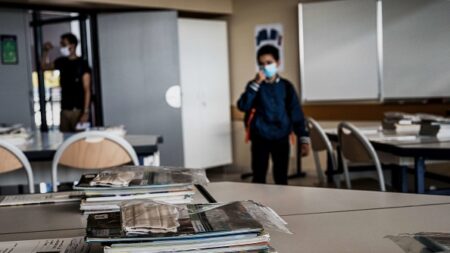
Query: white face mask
x,y
64,51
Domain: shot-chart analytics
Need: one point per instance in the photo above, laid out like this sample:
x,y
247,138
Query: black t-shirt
x,y
71,80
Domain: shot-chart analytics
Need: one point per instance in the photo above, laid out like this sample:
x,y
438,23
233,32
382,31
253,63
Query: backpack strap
x,y
247,124
288,101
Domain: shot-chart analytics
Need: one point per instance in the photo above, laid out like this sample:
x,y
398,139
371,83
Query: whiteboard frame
x,y
379,53
301,51
380,65
380,58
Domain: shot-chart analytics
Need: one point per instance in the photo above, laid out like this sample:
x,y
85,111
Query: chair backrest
x,y
319,139
93,150
355,147
12,158
320,142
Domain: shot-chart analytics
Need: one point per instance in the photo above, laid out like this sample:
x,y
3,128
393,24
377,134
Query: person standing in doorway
x,y
75,82
272,112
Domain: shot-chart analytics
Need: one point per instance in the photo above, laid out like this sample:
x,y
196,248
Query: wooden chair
x,y
356,148
12,158
319,143
92,150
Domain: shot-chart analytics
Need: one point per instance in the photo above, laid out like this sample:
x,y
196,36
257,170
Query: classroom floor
x,y
228,173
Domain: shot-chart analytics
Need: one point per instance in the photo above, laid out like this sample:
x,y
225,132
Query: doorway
x,y
47,28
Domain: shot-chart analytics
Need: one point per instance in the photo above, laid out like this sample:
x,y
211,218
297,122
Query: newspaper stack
x,y
400,122
417,124
149,226
434,126
105,191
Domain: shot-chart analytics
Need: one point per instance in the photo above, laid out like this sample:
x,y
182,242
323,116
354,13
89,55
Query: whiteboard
x,y
416,48
338,50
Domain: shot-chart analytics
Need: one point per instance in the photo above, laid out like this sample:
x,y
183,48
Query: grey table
x,y
359,231
324,230
42,146
417,148
292,200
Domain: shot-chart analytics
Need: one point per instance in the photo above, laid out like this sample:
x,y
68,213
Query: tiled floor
x,y
232,174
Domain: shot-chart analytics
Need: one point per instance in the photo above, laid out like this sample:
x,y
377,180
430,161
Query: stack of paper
x,y
44,198
53,245
444,130
14,134
10,129
436,129
117,130
401,122
105,191
435,126
228,227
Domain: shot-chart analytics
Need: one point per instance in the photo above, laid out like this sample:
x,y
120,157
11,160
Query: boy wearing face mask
x,y
272,112
75,81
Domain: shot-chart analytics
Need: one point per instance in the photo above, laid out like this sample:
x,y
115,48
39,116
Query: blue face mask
x,y
270,70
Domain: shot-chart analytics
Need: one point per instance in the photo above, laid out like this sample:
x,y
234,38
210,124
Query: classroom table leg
x,y
400,178
404,178
329,172
419,170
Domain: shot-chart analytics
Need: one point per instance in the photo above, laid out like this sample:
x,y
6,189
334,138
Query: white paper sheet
x,y
54,245
27,199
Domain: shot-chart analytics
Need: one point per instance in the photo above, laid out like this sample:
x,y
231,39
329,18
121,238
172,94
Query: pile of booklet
x,y
105,191
436,126
149,226
417,124
401,122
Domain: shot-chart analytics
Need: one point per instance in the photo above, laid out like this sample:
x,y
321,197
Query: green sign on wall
x,y
9,49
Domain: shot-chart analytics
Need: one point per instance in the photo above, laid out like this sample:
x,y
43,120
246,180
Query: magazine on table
x,y
114,205
195,221
247,242
40,198
137,177
53,245
158,195
106,191
438,242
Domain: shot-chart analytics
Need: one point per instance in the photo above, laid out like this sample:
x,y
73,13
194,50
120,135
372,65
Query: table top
x,y
401,144
289,200
353,231
347,230
42,146
359,231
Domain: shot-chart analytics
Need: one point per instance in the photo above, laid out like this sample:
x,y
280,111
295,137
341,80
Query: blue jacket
x,y
277,110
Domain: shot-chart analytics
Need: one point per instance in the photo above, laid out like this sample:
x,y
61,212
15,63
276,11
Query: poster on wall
x,y
9,49
270,34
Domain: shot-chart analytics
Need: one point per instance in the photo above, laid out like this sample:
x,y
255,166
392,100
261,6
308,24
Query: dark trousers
x,y
69,120
262,149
